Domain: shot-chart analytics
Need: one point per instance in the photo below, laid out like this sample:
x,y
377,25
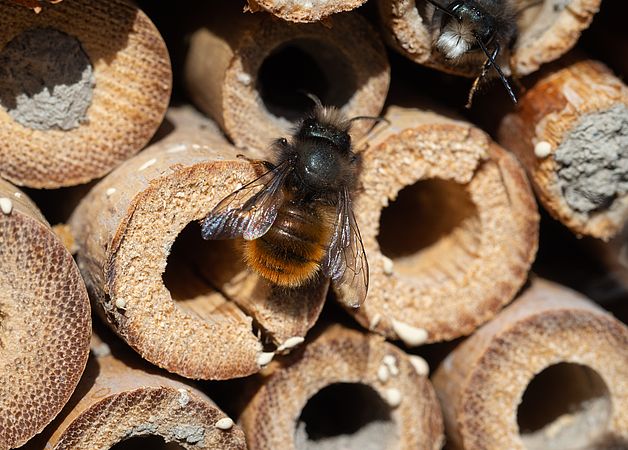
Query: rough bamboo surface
x,y
226,57
571,134
35,5
547,29
449,224
119,398
396,407
184,304
44,320
481,383
83,86
299,11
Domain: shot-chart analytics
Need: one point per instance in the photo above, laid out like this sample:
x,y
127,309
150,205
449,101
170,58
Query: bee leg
x,y
267,165
476,82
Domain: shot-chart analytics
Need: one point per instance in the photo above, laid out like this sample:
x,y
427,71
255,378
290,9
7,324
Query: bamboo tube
x,y
546,30
458,239
571,132
249,72
298,11
184,304
83,86
348,390
35,5
567,354
44,320
120,399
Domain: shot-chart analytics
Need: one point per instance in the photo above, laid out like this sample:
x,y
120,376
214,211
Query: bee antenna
x,y
376,119
441,8
502,77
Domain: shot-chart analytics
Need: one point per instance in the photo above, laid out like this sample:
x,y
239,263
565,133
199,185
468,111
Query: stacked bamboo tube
x,y
447,218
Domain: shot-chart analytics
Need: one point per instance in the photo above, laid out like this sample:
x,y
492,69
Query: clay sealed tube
x,y
251,72
550,371
83,86
45,320
544,30
298,11
348,389
571,133
122,403
185,304
449,225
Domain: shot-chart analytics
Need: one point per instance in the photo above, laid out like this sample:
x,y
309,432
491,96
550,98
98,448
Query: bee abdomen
x,y
289,254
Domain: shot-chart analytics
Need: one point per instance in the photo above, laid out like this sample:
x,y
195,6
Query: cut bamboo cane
x,y
250,72
570,358
44,320
184,304
298,11
120,399
458,239
35,5
347,390
83,86
547,30
571,133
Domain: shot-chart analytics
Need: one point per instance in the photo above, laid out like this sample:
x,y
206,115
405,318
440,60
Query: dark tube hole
x,y
147,443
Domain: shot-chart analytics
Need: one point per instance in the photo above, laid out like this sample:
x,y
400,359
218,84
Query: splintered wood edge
x,y
119,399
234,100
481,383
148,201
44,320
298,11
549,112
409,33
125,110
340,355
407,298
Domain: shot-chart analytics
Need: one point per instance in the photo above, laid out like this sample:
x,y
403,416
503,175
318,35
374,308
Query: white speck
x,y
393,397
391,362
196,146
180,194
542,149
101,349
290,343
308,5
120,303
109,192
6,205
224,424
18,194
184,397
411,336
264,358
147,164
382,373
239,186
244,78
420,365
375,320
388,266
177,148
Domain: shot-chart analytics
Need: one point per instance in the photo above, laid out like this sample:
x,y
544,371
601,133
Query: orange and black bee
x,y
296,219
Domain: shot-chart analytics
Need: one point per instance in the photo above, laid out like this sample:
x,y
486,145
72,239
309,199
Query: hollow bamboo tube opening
x,y
571,132
449,225
346,389
184,304
250,72
546,30
548,372
44,320
122,403
298,11
70,111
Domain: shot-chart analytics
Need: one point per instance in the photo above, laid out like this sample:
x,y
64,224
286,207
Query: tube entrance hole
x,y
565,406
147,443
432,225
345,415
304,66
196,270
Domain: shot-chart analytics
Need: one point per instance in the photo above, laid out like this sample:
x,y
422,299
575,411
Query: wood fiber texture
x,y
299,11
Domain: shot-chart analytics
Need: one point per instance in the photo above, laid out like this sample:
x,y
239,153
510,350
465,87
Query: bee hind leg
x,y
476,82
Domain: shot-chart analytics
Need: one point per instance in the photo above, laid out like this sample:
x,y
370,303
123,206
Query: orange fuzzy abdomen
x,y
289,254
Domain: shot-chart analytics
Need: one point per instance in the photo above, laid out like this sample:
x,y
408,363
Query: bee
x,y
475,31
296,219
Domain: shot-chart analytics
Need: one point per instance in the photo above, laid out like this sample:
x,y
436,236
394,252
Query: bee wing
x,y
250,211
345,262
